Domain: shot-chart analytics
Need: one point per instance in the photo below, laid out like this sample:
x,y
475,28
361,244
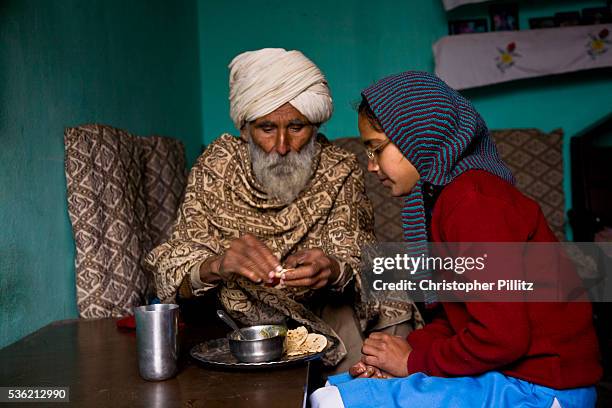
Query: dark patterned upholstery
x,y
536,160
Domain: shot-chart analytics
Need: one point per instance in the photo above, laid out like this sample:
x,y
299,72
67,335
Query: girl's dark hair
x,y
365,110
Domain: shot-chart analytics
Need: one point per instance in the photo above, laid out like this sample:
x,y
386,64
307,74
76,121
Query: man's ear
x,y
244,132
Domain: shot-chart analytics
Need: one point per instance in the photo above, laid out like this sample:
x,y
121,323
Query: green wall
x,y
354,42
130,64
357,42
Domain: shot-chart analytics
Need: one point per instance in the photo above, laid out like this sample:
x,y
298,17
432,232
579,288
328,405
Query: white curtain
x,y
472,60
451,4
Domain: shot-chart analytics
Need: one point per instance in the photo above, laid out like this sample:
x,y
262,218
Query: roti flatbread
x,y
314,343
295,338
299,342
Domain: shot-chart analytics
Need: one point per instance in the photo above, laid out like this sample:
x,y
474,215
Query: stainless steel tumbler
x,y
156,335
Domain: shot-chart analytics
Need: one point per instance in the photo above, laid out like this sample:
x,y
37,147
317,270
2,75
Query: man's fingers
x,y
294,260
261,256
269,261
311,255
300,282
245,268
307,271
237,263
249,274
304,257
320,284
309,275
249,262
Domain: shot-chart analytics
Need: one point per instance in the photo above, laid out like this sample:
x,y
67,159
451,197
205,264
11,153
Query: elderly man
x,y
279,197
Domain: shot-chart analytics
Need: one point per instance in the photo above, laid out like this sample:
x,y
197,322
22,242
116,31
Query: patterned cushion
x,y
534,157
387,209
123,192
536,160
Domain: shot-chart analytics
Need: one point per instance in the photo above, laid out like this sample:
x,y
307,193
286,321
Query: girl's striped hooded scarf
x,y
439,132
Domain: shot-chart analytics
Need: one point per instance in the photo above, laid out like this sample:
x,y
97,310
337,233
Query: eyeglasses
x,y
371,153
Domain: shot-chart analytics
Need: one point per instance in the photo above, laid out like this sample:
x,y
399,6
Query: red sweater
x,y
551,344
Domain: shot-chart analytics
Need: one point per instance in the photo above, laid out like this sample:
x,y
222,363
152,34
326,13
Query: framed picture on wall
x,y
567,19
596,15
541,22
467,26
504,17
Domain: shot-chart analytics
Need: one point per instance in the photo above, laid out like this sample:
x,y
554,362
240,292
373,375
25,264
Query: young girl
x,y
427,143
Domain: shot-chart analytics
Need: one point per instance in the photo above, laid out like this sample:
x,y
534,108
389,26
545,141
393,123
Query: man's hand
x,y
387,353
361,370
311,268
249,257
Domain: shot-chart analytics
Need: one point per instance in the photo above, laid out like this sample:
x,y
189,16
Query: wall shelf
x,y
472,60
452,4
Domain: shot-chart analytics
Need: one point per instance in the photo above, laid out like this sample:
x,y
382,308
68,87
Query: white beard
x,y
283,177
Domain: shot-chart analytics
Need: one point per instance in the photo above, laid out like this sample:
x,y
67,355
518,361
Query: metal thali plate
x,y
217,353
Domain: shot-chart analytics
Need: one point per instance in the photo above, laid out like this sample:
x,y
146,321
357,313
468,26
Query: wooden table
x,y
99,364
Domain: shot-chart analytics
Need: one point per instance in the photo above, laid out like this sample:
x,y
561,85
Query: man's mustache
x,y
281,163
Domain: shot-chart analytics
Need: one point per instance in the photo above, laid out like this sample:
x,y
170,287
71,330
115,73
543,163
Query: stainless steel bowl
x,y
261,343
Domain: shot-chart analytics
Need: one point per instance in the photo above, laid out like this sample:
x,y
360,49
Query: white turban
x,y
264,80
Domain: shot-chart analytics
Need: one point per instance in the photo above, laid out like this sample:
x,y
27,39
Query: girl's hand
x,y
387,353
361,370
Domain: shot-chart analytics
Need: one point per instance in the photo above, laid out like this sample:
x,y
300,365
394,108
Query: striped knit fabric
x,y
439,132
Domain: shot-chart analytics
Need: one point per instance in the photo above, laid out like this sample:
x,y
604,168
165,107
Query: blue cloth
x,y
492,389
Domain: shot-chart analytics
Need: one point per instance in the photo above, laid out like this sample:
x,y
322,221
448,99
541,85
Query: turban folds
x,y
262,81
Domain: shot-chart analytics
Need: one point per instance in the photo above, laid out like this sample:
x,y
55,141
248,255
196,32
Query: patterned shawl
x,y
224,201
439,132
